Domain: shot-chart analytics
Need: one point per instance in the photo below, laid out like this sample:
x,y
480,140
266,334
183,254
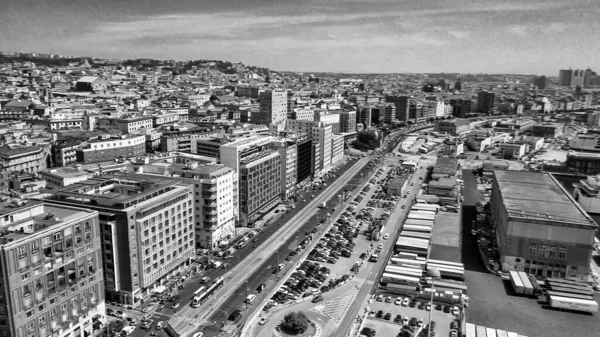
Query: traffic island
x,y
297,327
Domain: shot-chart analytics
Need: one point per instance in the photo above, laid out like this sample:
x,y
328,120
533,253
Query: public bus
x,y
204,295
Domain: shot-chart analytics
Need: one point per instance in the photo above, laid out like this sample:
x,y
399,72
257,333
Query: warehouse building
x,y
549,236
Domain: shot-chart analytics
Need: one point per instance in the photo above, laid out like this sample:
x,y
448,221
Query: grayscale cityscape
x,y
314,168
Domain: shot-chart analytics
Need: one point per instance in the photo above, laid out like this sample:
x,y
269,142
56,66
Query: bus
x,y
470,330
204,295
199,291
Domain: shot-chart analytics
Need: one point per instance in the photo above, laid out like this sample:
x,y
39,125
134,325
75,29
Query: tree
x,y
458,86
295,323
428,88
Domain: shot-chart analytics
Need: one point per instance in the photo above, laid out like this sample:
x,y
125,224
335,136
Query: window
x,y
542,250
552,252
562,253
532,248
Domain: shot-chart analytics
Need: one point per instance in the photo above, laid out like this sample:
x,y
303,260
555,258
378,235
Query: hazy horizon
x,y
344,36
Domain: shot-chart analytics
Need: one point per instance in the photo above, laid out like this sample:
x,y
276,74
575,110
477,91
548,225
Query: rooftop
x,y
521,193
25,217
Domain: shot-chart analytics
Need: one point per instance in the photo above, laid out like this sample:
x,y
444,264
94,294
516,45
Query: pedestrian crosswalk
x,y
336,308
361,280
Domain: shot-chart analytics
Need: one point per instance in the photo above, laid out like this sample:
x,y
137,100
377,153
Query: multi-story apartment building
x,y
303,114
51,280
165,118
183,140
337,149
210,146
260,183
485,102
347,121
273,108
28,158
288,152
363,116
325,118
133,124
564,77
461,107
108,148
322,135
232,155
147,228
402,104
64,153
215,196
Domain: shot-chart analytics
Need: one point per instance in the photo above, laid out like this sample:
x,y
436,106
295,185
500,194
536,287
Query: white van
x,y
250,298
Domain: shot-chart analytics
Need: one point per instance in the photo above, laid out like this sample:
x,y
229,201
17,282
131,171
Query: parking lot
x,y
335,257
410,315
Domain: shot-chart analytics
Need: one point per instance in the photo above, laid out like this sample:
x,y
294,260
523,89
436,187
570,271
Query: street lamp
x,y
246,295
434,274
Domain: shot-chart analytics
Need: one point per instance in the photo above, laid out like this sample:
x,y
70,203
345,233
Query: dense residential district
x,y
209,198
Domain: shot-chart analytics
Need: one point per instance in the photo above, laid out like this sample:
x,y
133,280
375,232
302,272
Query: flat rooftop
x,y
538,196
34,216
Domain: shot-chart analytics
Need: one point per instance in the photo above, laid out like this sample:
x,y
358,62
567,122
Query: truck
x,y
526,283
575,304
375,256
516,282
323,204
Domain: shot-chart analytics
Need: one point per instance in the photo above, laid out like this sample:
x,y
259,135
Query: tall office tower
x,y
347,121
363,116
564,77
402,105
485,102
273,108
51,280
588,77
541,82
147,228
260,183
577,78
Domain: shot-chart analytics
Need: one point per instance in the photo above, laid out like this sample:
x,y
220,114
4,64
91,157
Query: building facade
x,y
547,237
273,108
147,226
259,183
485,102
115,147
347,121
28,159
215,197
51,271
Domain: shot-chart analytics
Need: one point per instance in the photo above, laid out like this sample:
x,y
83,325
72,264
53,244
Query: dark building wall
x,y
304,160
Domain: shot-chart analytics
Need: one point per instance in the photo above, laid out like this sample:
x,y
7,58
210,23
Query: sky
x,y
361,36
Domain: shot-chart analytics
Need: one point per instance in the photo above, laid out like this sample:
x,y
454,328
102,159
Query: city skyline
x,y
536,37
